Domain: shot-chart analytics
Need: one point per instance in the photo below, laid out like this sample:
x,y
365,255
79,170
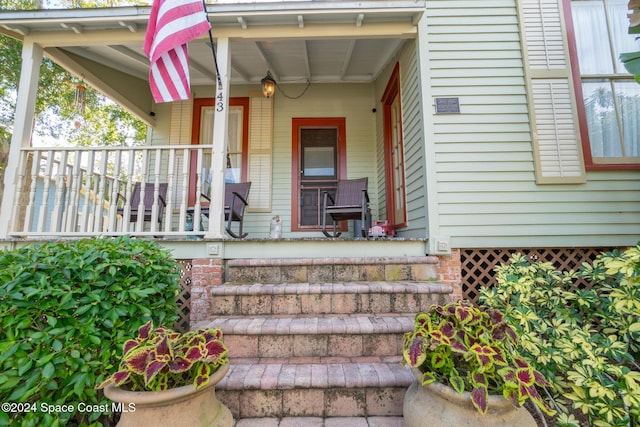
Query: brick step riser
x,y
250,305
330,273
314,402
314,346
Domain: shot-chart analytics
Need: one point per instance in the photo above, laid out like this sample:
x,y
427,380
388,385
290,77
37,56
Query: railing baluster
x,y
86,207
113,198
170,183
35,167
56,214
197,208
140,221
42,213
185,186
156,190
72,207
99,198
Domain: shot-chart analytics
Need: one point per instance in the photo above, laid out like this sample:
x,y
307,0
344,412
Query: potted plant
x,y
468,370
169,378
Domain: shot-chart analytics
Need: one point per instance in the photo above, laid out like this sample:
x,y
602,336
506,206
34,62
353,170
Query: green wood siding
x,y
485,174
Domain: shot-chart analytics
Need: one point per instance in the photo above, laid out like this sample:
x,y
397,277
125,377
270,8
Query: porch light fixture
x,y
269,86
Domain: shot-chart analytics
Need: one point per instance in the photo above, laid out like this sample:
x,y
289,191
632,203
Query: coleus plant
x,y
472,350
160,359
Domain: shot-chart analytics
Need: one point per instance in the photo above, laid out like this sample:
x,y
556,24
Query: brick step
x,y
328,270
337,298
325,336
321,422
314,390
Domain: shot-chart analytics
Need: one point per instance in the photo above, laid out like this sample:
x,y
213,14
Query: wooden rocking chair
x,y
351,202
235,201
149,193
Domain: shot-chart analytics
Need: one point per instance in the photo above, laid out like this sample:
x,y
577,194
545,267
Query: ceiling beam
x,y
265,58
389,55
347,58
307,65
125,51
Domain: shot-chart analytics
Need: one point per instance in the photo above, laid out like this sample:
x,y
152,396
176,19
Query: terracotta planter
x,y
178,407
438,405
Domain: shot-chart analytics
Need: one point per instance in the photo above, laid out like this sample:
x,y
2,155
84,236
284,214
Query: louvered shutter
x,y
260,153
181,122
552,103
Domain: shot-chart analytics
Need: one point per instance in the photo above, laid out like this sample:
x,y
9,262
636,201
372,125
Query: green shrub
x,y
67,309
584,341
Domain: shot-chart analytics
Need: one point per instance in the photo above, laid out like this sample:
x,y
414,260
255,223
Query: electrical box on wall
x,y
440,245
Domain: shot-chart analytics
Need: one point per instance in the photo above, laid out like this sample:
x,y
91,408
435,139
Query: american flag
x,y
172,24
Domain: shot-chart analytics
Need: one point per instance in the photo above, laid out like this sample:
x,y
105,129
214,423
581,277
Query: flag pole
x,y
213,50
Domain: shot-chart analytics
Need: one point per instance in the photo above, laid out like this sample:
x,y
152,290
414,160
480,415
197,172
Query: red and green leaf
x,y
137,359
202,377
479,379
457,383
164,352
525,376
480,399
180,364
459,346
415,355
464,314
143,332
152,370
428,378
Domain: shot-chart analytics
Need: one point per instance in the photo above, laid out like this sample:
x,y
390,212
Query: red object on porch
x,y
172,24
382,229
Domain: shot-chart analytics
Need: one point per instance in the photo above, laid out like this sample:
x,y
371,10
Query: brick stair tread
x,y
332,288
310,324
272,262
283,376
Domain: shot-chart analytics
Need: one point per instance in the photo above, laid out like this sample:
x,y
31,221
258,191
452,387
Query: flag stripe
x,y
172,24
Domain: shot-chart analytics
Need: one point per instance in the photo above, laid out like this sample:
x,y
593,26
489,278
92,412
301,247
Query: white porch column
x,y
434,233
22,127
219,152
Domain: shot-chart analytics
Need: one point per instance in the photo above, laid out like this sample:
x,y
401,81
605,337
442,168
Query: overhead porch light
x,y
269,85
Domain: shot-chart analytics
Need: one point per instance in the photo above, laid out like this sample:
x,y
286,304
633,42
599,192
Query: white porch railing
x,y
86,191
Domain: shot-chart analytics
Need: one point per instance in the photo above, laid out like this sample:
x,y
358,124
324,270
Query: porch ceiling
x,y
291,39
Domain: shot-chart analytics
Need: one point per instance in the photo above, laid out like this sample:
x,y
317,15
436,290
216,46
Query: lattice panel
x,y
478,264
184,298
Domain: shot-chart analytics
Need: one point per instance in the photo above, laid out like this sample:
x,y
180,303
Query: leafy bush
x,y
584,341
67,309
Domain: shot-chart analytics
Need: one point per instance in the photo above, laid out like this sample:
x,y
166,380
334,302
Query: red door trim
x,y
313,122
198,103
390,93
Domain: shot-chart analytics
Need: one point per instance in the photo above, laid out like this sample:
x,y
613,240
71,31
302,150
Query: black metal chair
x,y
351,202
235,201
149,199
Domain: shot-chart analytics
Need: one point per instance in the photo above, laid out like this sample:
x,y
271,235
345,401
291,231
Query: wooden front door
x,y
318,163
